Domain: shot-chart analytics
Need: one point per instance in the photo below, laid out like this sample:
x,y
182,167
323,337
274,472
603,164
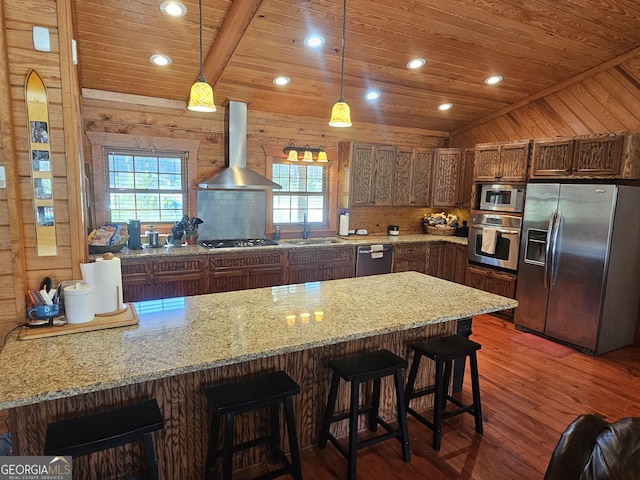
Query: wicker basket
x,y
440,230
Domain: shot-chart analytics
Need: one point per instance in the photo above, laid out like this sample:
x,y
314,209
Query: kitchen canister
x,y
78,303
393,230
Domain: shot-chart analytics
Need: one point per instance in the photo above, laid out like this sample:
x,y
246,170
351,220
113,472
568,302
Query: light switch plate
x,y
41,41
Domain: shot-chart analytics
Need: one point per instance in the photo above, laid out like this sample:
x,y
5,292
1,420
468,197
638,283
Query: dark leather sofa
x,y
593,449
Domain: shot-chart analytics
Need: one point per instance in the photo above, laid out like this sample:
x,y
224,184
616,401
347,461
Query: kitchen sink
x,y
312,241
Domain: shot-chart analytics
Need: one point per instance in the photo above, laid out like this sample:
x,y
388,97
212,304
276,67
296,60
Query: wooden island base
x,y
181,447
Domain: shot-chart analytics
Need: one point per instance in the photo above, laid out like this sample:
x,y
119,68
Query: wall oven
x,y
494,240
502,198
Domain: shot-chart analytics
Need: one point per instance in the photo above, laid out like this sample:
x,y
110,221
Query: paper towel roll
x,y
105,276
344,224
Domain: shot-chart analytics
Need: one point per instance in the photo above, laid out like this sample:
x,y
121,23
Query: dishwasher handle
x,y
369,251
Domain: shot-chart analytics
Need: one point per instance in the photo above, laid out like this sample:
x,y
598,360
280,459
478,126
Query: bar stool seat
x,y
356,370
444,351
100,431
227,400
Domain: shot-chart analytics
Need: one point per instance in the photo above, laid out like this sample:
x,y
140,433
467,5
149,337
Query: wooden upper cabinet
x,y
597,156
446,170
384,161
366,174
412,179
504,162
465,181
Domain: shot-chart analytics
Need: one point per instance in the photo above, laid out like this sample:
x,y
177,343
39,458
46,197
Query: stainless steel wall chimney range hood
x,y
237,176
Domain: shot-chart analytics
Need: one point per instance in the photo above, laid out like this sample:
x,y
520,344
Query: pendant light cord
x,y
201,79
344,29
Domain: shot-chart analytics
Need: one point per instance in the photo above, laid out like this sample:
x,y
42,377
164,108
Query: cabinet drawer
x,y
316,255
184,265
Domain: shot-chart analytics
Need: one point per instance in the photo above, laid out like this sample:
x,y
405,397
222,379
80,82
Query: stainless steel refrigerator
x,y
579,266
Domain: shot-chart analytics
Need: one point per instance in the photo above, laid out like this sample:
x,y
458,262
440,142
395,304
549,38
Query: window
x,y
304,191
147,185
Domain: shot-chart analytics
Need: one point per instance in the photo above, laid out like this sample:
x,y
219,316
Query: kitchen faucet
x,y
306,228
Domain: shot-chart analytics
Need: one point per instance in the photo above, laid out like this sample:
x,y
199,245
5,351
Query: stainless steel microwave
x,y
502,198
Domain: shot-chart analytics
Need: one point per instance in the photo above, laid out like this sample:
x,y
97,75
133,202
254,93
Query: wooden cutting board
x,y
124,318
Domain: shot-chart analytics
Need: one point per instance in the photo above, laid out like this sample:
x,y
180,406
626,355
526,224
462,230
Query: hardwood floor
x,y
531,390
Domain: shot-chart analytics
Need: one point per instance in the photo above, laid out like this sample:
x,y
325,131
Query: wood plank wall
x,y
134,115
605,101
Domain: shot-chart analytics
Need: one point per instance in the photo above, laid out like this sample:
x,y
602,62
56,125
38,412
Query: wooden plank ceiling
x,y
534,44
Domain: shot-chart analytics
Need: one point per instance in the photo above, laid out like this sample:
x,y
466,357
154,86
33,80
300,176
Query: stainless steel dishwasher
x,y
374,259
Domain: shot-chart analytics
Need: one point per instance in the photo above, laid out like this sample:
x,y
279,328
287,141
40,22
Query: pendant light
x,y
201,97
341,113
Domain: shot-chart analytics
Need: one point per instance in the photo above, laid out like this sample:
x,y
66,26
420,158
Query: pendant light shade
x,y
322,155
293,155
201,96
341,113
308,156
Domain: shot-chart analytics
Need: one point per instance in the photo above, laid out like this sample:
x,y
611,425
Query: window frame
x,y
292,230
99,210
182,156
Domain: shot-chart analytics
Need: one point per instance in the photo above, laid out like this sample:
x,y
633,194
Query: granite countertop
x,y
185,334
288,244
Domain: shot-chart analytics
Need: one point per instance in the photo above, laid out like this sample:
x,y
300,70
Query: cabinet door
x,y
137,283
598,156
384,161
362,173
421,177
445,177
339,262
410,257
465,185
461,264
402,176
477,277
318,264
435,258
179,277
240,271
552,158
448,262
514,160
486,165
412,177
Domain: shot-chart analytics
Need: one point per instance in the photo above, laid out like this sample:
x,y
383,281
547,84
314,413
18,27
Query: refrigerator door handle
x,y
547,248
554,254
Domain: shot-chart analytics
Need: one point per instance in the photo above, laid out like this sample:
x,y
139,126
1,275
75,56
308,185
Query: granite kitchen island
x,y
183,344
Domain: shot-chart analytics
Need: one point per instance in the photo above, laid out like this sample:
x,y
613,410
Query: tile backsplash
x,y
229,214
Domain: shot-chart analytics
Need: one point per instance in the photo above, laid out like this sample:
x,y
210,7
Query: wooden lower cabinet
x,y
177,276
242,271
435,258
493,281
319,264
410,257
454,263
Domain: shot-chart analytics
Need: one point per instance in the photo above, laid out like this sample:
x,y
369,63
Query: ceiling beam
x,y
233,28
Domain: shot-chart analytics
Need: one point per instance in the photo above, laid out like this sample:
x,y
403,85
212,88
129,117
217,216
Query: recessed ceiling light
x,y
314,40
282,80
445,106
160,60
416,63
492,80
173,8
372,95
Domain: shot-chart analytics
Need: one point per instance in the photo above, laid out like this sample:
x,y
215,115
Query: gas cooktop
x,y
238,242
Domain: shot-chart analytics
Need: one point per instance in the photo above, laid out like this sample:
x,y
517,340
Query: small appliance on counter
x,y
153,237
133,229
462,231
393,230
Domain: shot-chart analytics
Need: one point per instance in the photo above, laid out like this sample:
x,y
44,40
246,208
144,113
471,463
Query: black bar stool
x,y
101,431
227,400
356,370
444,351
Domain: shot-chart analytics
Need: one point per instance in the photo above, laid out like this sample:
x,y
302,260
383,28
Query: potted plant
x,y
191,229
